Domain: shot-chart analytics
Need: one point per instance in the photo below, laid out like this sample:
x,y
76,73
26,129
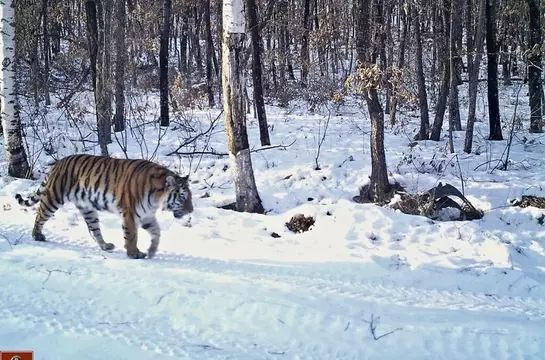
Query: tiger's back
x,y
133,188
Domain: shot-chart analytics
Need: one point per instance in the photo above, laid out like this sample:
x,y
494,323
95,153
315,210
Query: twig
x,y
193,139
461,174
49,272
64,101
202,346
282,146
7,240
511,133
163,296
373,327
321,141
277,352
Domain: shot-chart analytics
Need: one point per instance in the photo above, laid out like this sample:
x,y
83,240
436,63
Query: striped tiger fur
x,y
133,188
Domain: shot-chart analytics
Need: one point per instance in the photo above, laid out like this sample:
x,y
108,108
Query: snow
x,y
221,287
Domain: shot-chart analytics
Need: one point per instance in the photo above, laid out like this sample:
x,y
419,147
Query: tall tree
x,y
46,51
209,54
18,165
96,40
105,85
455,61
92,38
423,133
120,60
163,64
367,51
442,41
474,63
305,51
247,196
256,73
492,67
405,22
535,86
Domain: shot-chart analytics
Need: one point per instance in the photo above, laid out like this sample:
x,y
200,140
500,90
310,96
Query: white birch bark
x,y
247,196
11,122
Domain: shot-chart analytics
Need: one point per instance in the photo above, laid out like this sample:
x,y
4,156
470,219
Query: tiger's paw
x,y
136,254
39,237
107,246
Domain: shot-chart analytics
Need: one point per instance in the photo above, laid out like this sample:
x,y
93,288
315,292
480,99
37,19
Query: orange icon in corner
x,y
17,355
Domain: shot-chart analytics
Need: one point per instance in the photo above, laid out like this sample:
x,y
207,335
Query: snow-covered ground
x,y
221,287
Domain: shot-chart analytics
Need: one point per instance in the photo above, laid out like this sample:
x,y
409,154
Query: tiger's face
x,y
179,199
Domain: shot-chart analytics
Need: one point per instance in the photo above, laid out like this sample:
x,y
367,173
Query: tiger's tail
x,y
34,198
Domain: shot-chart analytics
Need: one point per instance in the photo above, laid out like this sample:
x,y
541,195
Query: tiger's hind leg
x,y
152,227
91,219
44,213
130,233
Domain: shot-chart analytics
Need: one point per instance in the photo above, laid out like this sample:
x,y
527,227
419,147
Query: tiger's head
x,y
179,199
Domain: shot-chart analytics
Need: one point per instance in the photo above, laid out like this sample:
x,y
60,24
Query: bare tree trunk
x,y
492,79
256,73
121,56
47,49
183,65
219,30
163,64
196,47
379,186
442,50
106,67
92,38
103,92
535,86
400,64
305,53
469,33
233,84
35,78
473,67
506,64
209,54
16,156
95,37
455,63
423,133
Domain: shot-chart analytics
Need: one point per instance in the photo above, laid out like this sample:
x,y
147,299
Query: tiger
x,y
133,188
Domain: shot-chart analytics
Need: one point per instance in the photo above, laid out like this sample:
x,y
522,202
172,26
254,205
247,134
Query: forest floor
x,y
365,282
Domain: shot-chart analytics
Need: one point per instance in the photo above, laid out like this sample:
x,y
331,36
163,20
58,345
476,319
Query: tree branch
x,y
214,153
373,327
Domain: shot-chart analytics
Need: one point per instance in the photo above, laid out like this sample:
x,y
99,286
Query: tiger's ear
x,y
170,181
185,179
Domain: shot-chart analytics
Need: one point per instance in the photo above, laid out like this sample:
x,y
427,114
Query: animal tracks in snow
x,y
190,307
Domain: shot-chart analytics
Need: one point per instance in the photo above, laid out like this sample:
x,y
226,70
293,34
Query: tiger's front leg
x,y
152,227
130,233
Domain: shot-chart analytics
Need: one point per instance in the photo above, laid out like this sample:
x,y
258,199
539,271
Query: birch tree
x,y
18,165
247,196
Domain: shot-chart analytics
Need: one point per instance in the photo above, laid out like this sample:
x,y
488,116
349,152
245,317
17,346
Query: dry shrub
x,y
530,200
300,223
